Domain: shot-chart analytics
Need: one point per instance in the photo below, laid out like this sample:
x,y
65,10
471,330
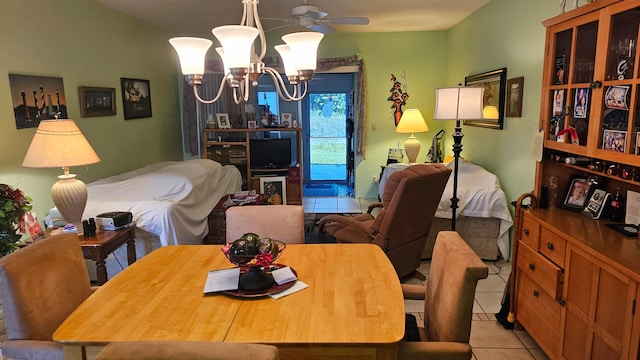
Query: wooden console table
x,y
104,243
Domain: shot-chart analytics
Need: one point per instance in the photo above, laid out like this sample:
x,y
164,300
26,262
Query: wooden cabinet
x,y
585,306
576,280
233,147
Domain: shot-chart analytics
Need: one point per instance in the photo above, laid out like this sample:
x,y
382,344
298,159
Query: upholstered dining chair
x,y
40,285
278,222
448,301
181,350
401,226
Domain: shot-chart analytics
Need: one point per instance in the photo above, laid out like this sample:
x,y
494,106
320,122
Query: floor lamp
x,y
458,103
60,144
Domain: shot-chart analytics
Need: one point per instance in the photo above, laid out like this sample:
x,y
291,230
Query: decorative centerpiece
x,y
255,257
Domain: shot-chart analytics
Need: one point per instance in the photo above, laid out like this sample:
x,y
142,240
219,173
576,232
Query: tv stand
x,y
237,152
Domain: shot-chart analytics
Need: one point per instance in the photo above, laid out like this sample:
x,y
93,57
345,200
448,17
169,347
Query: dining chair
x,y
404,217
40,285
448,301
181,350
278,222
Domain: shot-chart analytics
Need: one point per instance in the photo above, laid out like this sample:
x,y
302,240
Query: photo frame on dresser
x,y
274,189
579,190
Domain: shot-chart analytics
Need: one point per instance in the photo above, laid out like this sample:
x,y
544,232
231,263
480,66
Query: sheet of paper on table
x,y
283,275
221,280
632,214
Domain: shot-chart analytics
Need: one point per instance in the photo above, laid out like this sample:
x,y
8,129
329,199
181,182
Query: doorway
x,y
326,113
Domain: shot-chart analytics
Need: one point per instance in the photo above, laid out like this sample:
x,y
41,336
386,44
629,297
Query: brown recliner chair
x,y
401,227
448,301
40,286
192,350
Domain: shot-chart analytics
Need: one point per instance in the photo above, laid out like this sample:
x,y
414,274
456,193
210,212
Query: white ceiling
x,y
198,17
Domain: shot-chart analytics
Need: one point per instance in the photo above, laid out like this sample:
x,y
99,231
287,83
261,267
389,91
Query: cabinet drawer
x,y
553,246
539,313
530,232
545,273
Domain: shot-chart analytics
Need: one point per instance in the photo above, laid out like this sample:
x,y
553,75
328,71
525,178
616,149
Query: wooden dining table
x,y
353,306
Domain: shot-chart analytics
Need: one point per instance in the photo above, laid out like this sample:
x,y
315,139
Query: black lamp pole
x,y
457,149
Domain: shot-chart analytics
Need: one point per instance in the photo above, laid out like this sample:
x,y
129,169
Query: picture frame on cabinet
x,y
97,101
614,140
275,189
616,97
252,124
578,190
581,103
136,98
494,83
637,152
223,121
514,97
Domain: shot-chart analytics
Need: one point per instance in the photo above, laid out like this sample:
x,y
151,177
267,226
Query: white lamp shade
x,y
412,122
236,41
191,53
59,143
287,59
304,46
220,52
457,103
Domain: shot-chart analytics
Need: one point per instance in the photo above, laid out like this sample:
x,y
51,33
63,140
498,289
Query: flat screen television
x,y
270,153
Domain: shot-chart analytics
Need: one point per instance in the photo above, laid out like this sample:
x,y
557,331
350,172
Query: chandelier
x,y
242,66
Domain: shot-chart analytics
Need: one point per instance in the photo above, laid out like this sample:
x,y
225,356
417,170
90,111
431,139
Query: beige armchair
x,y
448,301
40,285
402,225
279,222
192,350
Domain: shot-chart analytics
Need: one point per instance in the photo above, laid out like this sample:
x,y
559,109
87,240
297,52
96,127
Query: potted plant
x,y
13,206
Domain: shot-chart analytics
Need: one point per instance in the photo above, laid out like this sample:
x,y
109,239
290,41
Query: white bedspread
x,y
170,199
479,195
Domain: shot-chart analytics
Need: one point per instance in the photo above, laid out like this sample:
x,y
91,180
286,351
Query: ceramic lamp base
x,y
70,197
412,148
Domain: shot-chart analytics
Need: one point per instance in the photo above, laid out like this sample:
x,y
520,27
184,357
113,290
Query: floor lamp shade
x,y
60,143
412,122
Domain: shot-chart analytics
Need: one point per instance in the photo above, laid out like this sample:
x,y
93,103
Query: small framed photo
x,y
274,189
580,103
514,97
252,124
285,119
614,140
638,143
578,190
616,97
136,98
97,101
223,121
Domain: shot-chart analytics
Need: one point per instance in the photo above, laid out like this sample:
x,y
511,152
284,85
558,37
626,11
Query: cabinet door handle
x,y
536,293
561,301
549,246
526,232
596,84
532,267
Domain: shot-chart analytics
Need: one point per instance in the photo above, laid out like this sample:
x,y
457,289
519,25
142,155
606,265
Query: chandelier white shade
x,y
243,67
61,144
412,122
456,103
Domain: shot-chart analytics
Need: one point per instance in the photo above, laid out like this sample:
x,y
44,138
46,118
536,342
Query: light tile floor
x,y
489,340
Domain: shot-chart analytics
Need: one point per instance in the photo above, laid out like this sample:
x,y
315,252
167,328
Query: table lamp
x,y
412,122
458,103
60,143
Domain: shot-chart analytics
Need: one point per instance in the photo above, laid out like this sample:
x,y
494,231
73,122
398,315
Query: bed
x,y
483,218
170,202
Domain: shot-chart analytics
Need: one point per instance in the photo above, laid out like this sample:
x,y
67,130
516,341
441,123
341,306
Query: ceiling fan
x,y
311,17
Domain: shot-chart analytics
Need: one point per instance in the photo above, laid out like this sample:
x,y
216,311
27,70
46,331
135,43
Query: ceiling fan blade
x,y
321,28
350,20
316,14
281,27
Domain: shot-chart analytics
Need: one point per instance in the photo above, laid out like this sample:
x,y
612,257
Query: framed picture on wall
x,y
275,189
37,98
514,97
494,83
136,98
97,101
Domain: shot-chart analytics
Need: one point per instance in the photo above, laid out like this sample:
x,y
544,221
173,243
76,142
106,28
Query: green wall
x,y
87,44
